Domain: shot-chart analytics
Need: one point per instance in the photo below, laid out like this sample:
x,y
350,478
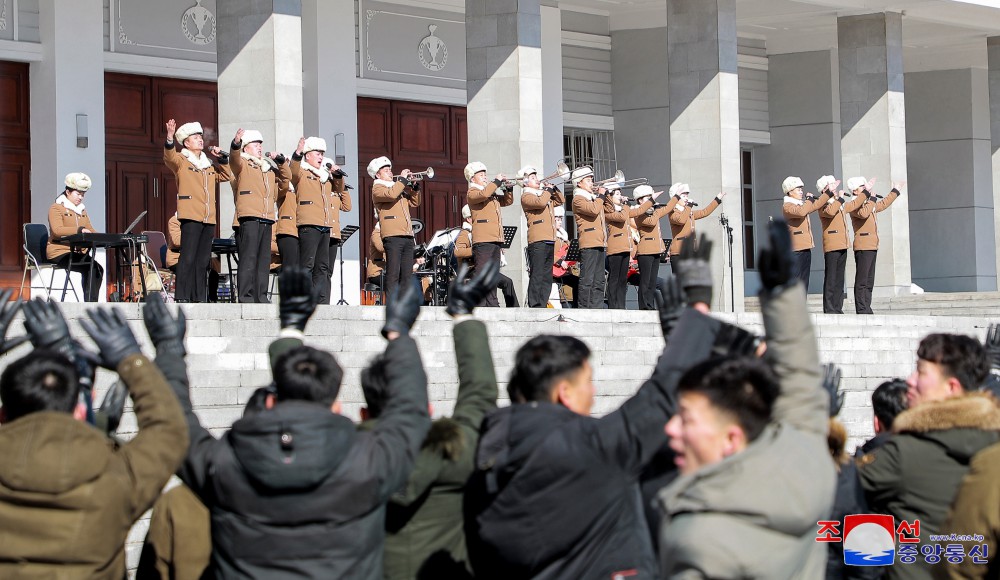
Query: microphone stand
x,y
729,250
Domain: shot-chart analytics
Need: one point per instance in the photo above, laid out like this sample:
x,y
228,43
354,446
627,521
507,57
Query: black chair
x,y
36,241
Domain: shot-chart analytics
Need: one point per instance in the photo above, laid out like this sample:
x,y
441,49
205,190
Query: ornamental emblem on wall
x,y
198,24
436,50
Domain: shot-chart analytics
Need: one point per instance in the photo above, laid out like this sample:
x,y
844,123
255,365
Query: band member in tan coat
x,y
463,243
376,258
485,200
835,242
287,230
538,201
683,217
258,180
650,242
617,214
866,238
591,231
393,197
68,216
197,179
796,209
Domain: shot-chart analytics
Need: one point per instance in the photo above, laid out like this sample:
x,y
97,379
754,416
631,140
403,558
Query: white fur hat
x,y
580,173
559,211
791,183
314,144
526,171
252,136
678,189
474,168
855,182
186,130
466,212
642,191
375,165
824,182
78,181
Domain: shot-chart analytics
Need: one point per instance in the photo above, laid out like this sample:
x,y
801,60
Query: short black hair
x,y
889,400
374,385
541,363
743,387
307,374
959,356
43,380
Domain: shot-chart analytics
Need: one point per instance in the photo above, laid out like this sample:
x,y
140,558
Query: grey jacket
x,y
754,514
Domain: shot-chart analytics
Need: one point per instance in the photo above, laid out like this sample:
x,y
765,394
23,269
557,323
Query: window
x,y
749,239
592,147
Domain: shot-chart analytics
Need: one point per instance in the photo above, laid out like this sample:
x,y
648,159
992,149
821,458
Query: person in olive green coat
x,y
976,511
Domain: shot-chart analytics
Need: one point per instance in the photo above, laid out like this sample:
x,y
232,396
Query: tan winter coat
x,y
463,246
487,223
796,213
173,241
650,236
64,222
317,203
256,191
831,217
863,220
619,236
376,255
591,229
195,185
682,223
976,510
537,206
393,202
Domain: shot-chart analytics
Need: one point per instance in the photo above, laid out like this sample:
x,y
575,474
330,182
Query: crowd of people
x,y
726,463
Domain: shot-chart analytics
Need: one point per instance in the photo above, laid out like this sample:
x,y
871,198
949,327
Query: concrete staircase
x,y
976,304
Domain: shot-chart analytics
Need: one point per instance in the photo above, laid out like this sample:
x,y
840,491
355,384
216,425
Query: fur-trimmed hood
x,y
962,425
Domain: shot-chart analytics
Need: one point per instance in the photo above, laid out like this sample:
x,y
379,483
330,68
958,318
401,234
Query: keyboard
x,y
99,240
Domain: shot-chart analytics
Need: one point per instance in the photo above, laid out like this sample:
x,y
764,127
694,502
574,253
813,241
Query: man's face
x,y
929,383
479,178
531,180
577,392
315,158
587,183
699,434
195,143
385,174
256,149
796,192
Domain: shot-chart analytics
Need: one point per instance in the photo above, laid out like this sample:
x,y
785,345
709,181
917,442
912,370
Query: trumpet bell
x,y
430,173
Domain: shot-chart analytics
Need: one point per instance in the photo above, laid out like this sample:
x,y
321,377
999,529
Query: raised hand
x,y
110,332
831,384
171,126
403,308
46,325
238,139
734,341
464,296
301,146
109,415
670,303
694,270
7,312
298,298
775,262
166,331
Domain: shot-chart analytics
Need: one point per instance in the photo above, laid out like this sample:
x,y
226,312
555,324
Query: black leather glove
x,y
831,383
110,332
992,345
280,159
109,415
298,298
733,341
224,158
46,325
403,308
7,313
775,262
670,303
694,270
464,296
166,332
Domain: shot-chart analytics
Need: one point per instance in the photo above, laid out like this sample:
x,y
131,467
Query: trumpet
x,y
419,175
562,172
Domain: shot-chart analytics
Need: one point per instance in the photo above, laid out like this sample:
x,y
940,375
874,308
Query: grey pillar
x,y
873,130
260,78
993,55
705,126
504,83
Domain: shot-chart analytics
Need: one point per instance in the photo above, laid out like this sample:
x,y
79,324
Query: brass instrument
x,y
419,175
562,173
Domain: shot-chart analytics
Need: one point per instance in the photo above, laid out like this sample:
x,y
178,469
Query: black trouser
x,y
673,264
194,261
334,246
506,287
864,280
398,263
540,256
801,267
483,253
617,280
833,281
591,278
288,249
314,253
91,278
649,268
254,247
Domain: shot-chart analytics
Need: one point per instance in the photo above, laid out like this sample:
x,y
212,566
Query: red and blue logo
x,y
869,540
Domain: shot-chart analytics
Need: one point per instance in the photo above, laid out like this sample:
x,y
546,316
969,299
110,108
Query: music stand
x,y
573,252
508,236
345,233
666,250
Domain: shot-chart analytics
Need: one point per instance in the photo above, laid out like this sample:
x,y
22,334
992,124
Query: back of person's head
x,y
889,400
307,374
374,385
743,389
44,380
836,440
959,356
541,363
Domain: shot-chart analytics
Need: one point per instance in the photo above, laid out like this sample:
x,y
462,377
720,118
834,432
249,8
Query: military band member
x,y
538,201
835,242
650,243
376,257
197,177
866,238
566,281
315,211
257,180
393,199
591,231
617,213
683,217
463,243
796,209
68,216
485,200
287,229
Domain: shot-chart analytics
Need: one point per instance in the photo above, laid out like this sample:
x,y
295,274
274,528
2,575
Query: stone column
x,y
704,126
873,131
552,87
993,55
504,83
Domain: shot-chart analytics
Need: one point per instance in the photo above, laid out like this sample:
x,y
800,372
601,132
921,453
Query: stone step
x,y
976,304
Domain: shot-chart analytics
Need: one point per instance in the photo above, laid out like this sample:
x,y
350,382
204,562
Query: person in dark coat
x,y
296,491
888,401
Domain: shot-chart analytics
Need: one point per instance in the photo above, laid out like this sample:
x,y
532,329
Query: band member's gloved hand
x,y
110,332
415,186
166,332
298,298
831,384
6,315
464,296
694,270
734,341
403,308
46,325
109,415
670,303
992,345
775,262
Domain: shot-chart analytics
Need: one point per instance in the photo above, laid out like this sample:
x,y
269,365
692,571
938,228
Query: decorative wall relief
x,y
184,29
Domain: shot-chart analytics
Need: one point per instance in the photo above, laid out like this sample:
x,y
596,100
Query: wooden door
x,y
15,168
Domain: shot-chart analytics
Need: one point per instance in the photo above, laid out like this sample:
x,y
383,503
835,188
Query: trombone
x,y
619,179
419,175
562,173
